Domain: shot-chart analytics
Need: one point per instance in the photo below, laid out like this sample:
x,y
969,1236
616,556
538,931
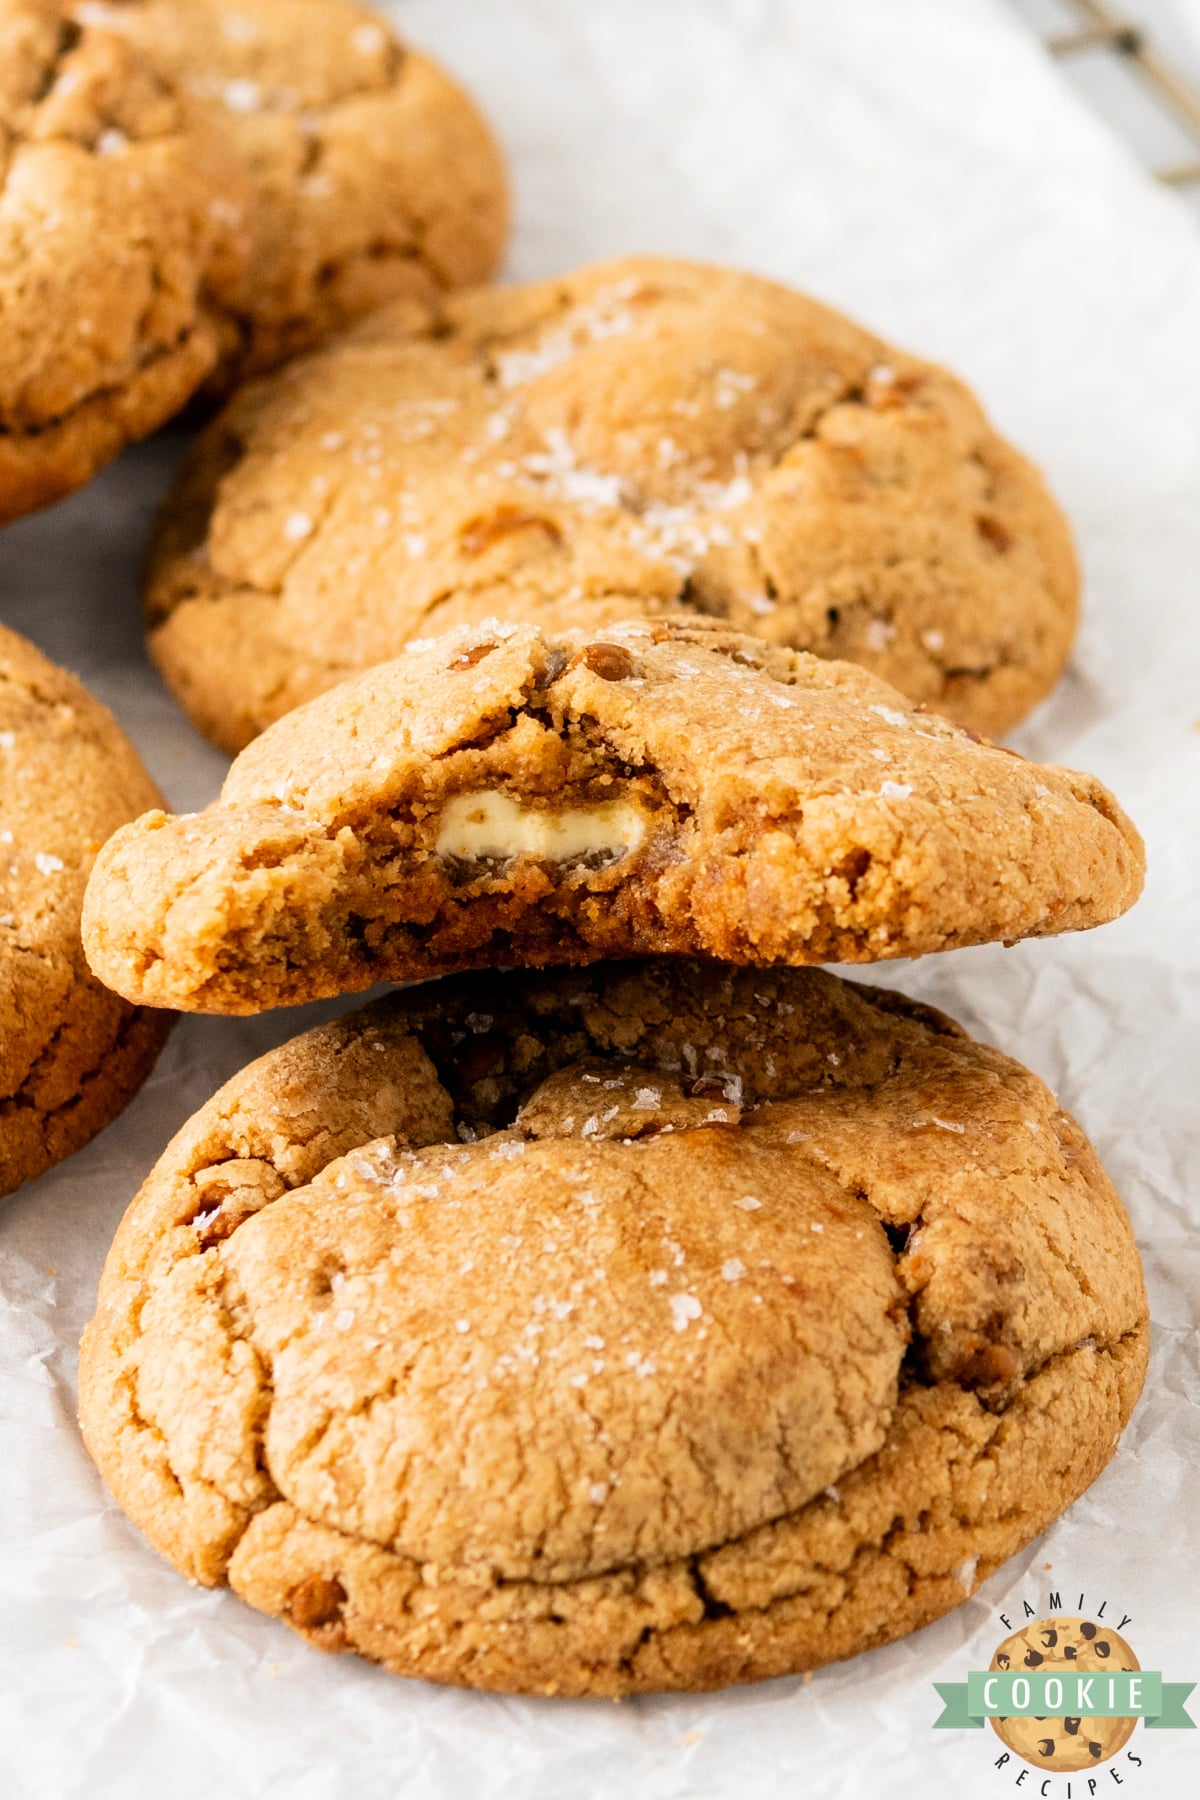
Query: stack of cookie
x,y
635,1305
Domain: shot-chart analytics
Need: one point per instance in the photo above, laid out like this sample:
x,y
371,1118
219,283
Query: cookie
x,y
501,796
71,1053
642,436
650,1326
1065,1643
122,229
372,173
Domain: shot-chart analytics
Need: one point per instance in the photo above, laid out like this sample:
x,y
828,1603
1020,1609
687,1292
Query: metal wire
x,y
1102,29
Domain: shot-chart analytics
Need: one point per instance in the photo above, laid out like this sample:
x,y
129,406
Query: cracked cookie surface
x,y
71,1053
647,1326
122,229
371,172
644,435
500,796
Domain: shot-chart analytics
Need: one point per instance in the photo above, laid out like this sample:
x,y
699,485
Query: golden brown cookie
x,y
71,1053
642,435
122,228
1065,1744
372,172
500,796
656,1326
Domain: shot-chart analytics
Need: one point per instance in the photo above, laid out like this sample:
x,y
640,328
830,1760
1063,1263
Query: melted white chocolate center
x,y
491,826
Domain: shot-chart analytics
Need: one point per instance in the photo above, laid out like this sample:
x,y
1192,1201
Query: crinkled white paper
x,y
921,165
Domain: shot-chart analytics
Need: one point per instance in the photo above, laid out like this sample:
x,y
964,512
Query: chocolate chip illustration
x,y
1071,1726
1033,1658
1045,1746
1087,1629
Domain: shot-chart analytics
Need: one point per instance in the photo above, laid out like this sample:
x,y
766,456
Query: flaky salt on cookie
x,y
637,437
501,796
658,1326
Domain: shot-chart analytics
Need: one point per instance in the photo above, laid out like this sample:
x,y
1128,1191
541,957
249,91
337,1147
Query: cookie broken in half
x,y
497,796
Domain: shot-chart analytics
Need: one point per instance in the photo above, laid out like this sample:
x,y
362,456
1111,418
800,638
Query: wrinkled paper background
x,y
923,166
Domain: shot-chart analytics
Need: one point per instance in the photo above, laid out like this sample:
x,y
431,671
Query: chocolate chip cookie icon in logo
x,y
1069,1645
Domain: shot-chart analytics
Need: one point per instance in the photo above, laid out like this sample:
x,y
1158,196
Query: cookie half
x,y
503,796
643,435
372,173
655,1326
122,231
71,1053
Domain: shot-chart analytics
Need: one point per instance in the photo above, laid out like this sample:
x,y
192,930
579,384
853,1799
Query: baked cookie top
x,y
562,1330
122,226
500,795
372,172
641,435
71,1053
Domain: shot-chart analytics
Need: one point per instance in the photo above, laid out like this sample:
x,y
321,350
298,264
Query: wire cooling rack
x,y
1085,34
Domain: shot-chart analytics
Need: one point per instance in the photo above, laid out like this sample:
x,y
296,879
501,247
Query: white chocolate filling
x,y
491,826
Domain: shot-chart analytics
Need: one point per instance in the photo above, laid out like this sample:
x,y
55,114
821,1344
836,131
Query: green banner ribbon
x,y
1064,1693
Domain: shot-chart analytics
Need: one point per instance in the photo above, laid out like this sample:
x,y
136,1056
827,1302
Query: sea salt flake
x,y
684,1307
890,714
895,790
733,1269
598,1493
964,1574
48,865
242,96
748,1203
297,525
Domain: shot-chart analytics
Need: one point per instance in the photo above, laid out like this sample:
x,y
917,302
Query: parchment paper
x,y
921,165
